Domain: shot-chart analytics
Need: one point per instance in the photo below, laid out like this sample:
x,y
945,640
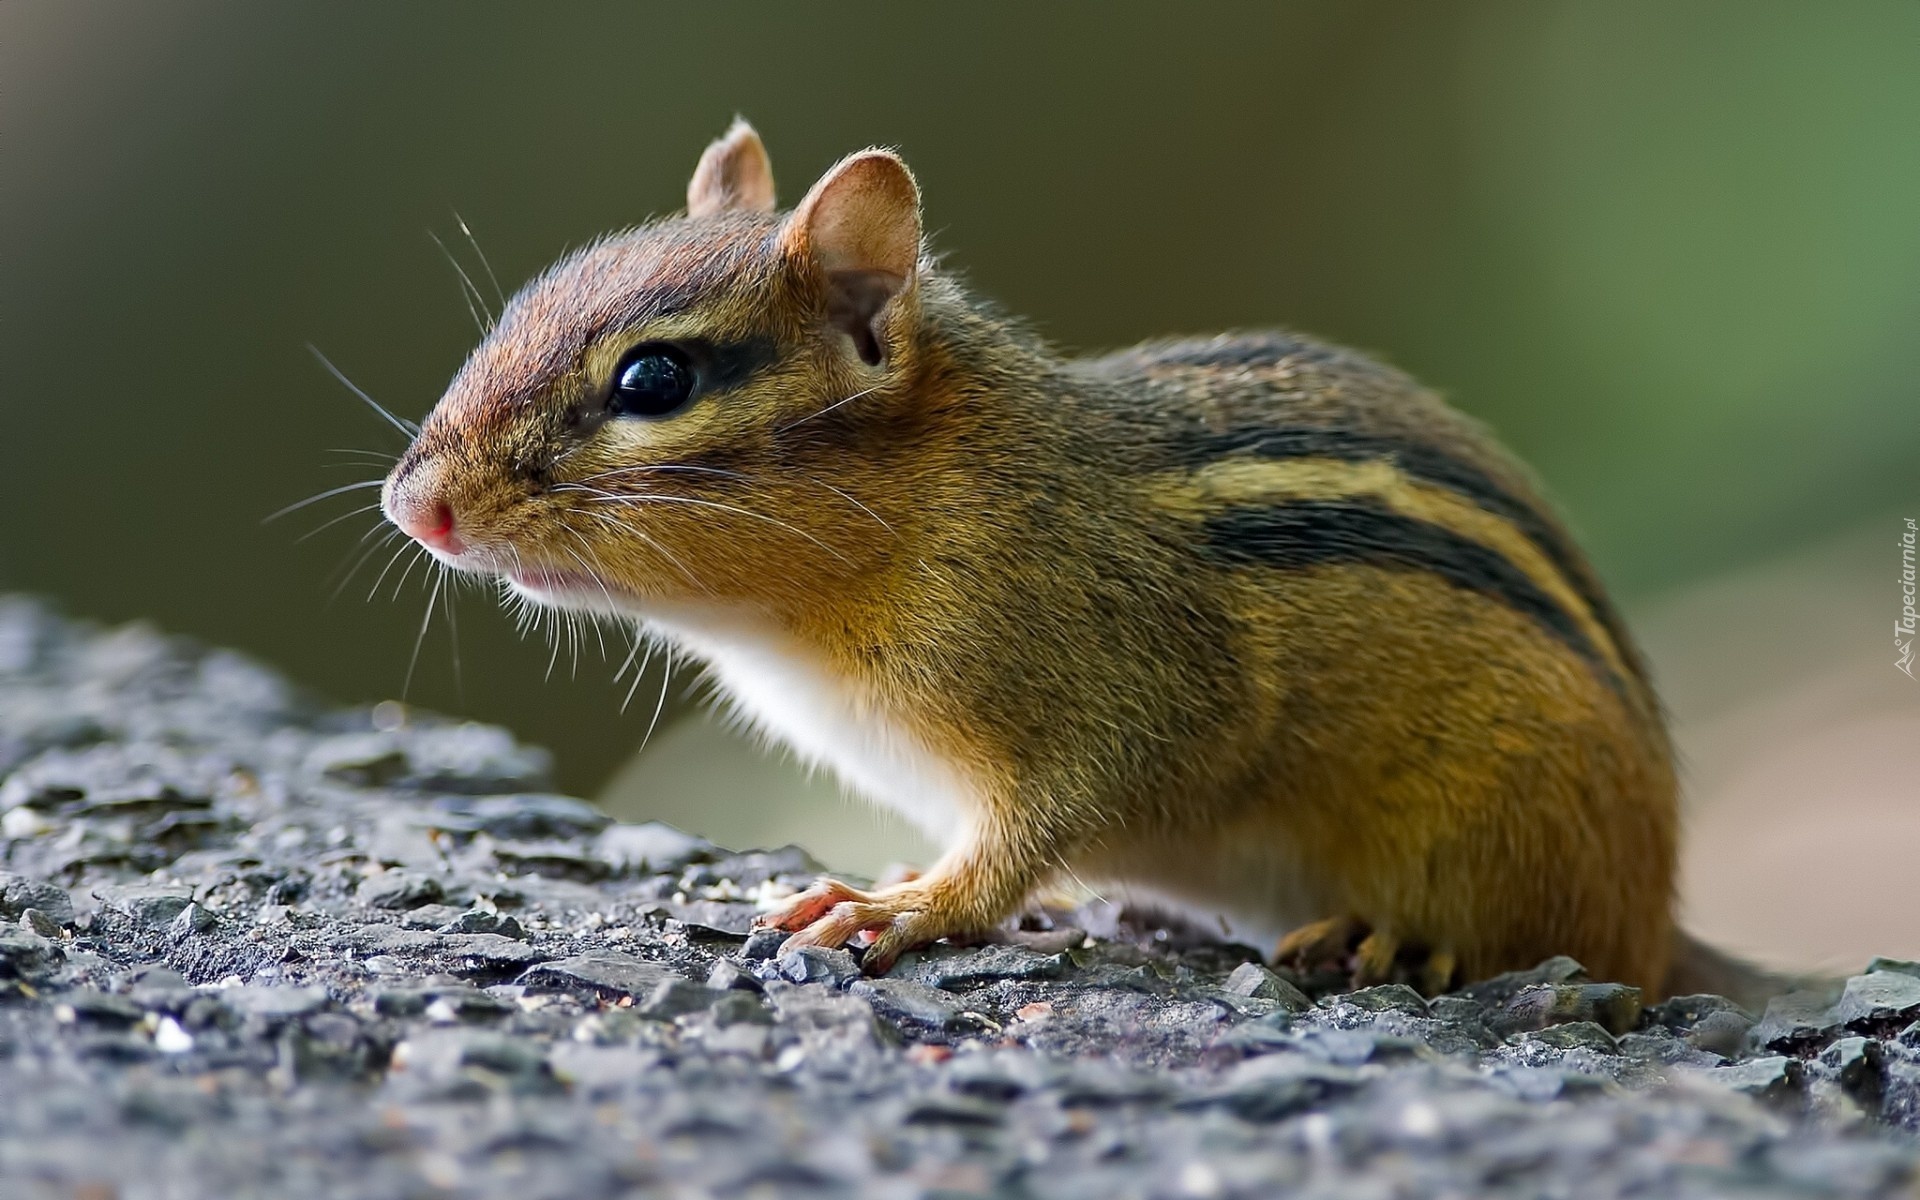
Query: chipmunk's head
x,y
679,411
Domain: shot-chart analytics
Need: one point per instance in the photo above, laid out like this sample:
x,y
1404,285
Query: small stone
x,y
1793,1020
1574,1035
1495,992
34,921
1775,1080
677,997
439,917
963,970
1681,1013
1661,1046
817,964
19,824
908,1002
1856,1064
151,905
479,920
191,920
1723,1032
1388,997
728,975
1898,966
1257,982
606,972
1877,998
399,890
27,955
1612,1006
18,893
170,1038
763,944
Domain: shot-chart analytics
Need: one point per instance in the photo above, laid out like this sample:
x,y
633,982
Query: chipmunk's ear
x,y
860,226
733,176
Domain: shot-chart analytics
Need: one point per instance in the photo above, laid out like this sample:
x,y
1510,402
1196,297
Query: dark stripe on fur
x,y
1311,533
1431,465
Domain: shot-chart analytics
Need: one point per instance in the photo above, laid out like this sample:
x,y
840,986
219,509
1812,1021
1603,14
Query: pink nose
x,y
430,523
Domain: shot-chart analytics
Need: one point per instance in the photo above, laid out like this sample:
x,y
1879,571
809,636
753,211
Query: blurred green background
x,y
1668,250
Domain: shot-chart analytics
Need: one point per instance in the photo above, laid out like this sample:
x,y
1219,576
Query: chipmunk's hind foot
x,y
1328,943
1371,956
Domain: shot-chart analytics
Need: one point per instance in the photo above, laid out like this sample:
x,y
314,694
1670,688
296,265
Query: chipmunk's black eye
x,y
652,381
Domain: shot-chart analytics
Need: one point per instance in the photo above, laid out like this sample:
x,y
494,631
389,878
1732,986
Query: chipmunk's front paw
x,y
804,908
831,914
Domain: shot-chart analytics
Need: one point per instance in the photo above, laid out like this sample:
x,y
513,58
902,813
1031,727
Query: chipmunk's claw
x,y
831,914
804,908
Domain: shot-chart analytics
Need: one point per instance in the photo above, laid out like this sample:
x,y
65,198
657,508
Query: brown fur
x,y
1000,551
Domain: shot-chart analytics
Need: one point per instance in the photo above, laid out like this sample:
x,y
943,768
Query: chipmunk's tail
x,y
1699,968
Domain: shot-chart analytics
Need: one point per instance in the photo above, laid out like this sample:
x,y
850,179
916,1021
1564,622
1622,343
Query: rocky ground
x,y
254,946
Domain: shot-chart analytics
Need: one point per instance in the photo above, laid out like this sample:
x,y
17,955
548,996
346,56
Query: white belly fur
x,y
1242,884
788,695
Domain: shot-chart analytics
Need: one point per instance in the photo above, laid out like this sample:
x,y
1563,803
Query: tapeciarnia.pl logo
x,y
1903,628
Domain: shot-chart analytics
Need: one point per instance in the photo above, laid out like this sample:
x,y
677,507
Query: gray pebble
x,y
959,970
908,1002
763,944
676,997
1776,1080
606,972
1257,982
817,964
151,905
34,921
1877,998
19,893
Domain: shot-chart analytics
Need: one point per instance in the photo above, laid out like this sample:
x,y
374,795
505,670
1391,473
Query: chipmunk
x,y
1251,623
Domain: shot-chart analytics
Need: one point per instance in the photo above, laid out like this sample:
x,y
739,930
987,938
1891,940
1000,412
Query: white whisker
x,y
407,428
346,516
829,408
342,490
666,677
407,686
476,303
499,295
662,498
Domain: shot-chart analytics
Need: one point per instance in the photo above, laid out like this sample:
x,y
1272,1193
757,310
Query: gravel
x,y
255,946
